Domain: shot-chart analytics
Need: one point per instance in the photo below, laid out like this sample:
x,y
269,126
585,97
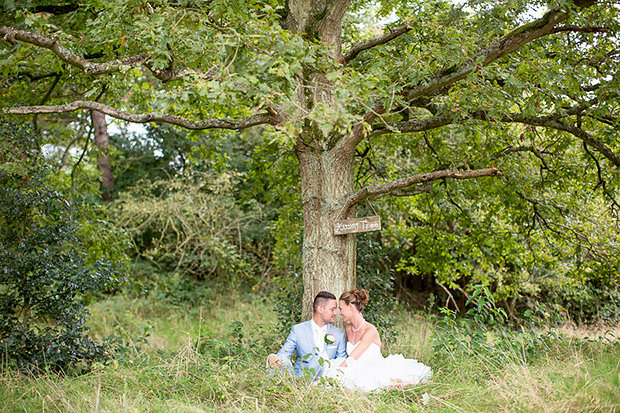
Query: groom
x,y
313,340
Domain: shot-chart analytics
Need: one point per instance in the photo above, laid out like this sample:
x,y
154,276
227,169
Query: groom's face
x,y
328,311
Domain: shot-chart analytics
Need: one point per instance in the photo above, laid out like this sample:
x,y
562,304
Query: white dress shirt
x,y
319,338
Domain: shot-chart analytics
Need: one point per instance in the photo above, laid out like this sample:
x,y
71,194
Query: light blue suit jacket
x,y
301,340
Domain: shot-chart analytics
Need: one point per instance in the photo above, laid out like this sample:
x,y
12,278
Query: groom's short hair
x,y
321,298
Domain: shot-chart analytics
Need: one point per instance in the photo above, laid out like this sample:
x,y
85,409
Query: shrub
x,y
288,300
46,270
484,334
188,225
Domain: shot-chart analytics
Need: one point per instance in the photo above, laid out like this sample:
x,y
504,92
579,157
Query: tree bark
x,y
100,128
327,178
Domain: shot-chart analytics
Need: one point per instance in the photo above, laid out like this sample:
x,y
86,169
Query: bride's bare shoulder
x,y
373,333
370,329
370,326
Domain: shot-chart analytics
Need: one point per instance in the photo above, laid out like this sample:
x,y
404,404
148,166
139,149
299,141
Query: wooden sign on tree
x,y
353,225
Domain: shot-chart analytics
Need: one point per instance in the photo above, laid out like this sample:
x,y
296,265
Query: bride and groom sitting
x,y
352,357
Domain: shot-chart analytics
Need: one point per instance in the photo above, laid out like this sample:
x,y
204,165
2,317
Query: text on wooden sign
x,y
353,225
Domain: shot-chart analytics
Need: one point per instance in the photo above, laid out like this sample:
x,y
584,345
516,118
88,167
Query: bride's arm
x,y
371,335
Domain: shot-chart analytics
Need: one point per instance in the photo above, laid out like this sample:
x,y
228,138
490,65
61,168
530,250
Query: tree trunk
x,y
100,128
328,259
326,168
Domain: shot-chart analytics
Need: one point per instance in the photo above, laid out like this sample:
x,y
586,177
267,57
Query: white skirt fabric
x,y
372,371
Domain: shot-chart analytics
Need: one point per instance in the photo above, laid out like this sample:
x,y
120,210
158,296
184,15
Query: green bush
x,y
484,333
288,300
46,268
189,225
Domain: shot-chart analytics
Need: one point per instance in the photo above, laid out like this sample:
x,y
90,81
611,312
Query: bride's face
x,y
346,310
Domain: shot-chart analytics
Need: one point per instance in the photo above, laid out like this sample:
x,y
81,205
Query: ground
x,y
211,357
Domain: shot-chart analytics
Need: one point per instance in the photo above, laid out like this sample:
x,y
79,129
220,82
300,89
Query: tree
x,y
100,130
330,90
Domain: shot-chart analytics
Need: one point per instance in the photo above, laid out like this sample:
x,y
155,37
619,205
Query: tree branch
x,y
12,34
359,130
582,29
55,9
517,149
601,182
51,89
416,125
424,188
444,79
46,97
450,297
253,120
497,49
360,47
553,122
397,186
580,239
589,139
607,120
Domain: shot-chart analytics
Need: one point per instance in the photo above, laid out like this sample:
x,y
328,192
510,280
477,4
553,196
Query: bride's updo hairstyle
x,y
359,298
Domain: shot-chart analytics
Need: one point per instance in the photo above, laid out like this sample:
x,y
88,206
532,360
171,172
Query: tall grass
x,y
211,358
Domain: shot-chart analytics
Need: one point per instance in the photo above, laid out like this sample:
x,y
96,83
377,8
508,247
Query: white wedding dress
x,y
372,371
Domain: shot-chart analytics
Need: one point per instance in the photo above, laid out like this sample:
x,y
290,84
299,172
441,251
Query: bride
x,y
366,369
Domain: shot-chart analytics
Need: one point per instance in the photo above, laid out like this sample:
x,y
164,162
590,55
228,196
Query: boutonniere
x,y
329,339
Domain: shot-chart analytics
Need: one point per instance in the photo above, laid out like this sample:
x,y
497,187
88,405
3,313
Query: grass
x,y
197,360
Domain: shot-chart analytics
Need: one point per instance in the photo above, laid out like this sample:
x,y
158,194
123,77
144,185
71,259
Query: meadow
x,y
211,357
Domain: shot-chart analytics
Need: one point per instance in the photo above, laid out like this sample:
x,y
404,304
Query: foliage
x,y
189,224
204,179
270,177
288,296
485,332
158,152
151,155
49,262
525,237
